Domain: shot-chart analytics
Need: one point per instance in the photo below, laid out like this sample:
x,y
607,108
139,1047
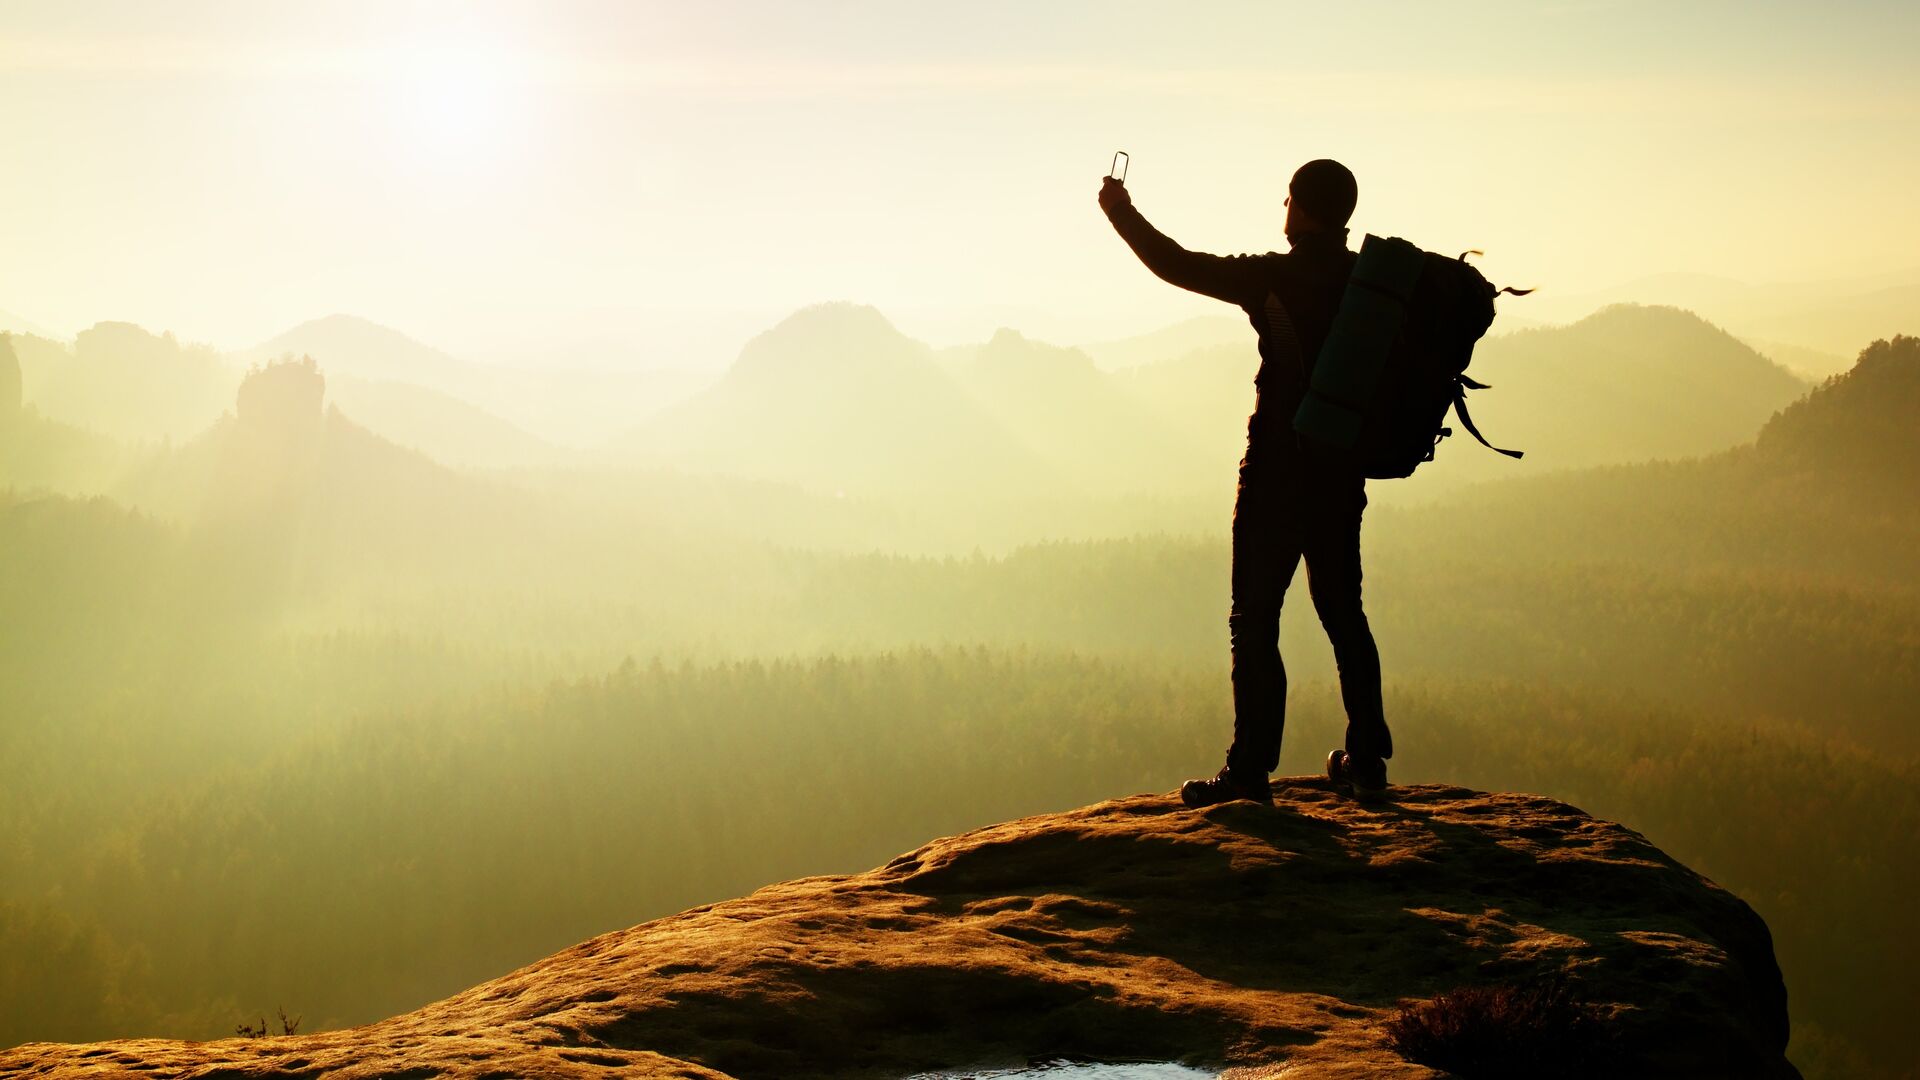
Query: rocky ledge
x,y
1271,942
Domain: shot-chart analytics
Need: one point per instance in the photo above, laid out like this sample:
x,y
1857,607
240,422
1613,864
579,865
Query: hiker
x,y
1292,503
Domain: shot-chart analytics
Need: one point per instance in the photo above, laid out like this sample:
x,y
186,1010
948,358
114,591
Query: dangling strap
x,y
1466,419
1515,292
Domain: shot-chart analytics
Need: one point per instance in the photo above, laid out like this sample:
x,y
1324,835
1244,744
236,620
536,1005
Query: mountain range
x,y
837,401
567,402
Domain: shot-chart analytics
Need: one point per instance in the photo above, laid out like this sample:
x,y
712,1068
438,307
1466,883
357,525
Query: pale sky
x,y
664,180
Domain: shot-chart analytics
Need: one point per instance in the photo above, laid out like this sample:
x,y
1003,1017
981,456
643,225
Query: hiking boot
x,y
1363,778
1226,786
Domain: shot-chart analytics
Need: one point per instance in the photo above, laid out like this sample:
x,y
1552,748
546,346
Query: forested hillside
x,y
1856,430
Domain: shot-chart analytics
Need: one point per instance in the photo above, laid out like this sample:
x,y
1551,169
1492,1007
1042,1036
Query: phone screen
x,y
1119,170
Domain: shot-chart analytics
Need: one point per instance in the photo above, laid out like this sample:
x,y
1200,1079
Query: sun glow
x,y
457,100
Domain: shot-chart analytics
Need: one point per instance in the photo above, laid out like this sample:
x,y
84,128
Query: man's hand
x,y
1113,194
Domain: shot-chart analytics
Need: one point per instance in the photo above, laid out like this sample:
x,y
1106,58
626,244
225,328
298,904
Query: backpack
x,y
1395,359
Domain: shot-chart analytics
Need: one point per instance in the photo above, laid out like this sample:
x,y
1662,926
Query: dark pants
x,y
1288,509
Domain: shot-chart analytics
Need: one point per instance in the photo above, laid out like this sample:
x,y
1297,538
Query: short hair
x,y
1326,189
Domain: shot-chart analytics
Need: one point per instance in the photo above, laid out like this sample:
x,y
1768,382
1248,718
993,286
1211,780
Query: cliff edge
x,y
1275,942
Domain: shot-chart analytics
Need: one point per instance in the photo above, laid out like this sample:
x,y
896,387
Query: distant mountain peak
x,y
1010,349
1645,313
342,327
840,316
828,340
349,344
1678,331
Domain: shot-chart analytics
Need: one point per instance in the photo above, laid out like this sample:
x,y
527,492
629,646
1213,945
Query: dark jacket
x,y
1306,282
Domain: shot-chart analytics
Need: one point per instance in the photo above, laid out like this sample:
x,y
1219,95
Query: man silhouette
x,y
1292,503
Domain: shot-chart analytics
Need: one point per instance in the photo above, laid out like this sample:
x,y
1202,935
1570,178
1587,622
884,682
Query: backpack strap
x,y
1280,333
1347,373
1285,343
1460,387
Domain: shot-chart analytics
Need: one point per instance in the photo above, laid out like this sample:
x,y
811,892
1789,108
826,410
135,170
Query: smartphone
x,y
1120,162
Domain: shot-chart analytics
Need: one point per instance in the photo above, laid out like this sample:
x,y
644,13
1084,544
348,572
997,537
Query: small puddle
x,y
1070,1070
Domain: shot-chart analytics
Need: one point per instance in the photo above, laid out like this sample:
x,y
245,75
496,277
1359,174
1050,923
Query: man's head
x,y
1320,198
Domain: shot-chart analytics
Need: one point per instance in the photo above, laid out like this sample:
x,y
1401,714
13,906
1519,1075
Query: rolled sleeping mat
x,y
1347,372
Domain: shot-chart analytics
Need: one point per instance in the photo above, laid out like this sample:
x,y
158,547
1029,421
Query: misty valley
x,y
342,673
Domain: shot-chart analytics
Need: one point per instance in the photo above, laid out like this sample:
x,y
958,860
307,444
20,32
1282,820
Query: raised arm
x,y
1229,278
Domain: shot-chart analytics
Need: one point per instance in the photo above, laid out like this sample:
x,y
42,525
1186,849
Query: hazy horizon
x,y
495,178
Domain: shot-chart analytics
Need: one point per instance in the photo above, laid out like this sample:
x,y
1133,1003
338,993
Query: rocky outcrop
x,y
1272,941
282,396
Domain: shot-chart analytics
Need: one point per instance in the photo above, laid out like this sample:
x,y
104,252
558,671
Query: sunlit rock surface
x,y
1274,941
